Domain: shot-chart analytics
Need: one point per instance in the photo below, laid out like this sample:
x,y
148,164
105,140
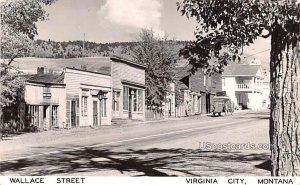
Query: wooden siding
x,y
122,71
73,79
77,81
34,95
126,72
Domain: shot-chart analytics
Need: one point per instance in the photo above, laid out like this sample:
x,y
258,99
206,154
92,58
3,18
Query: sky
x,y
105,21
113,20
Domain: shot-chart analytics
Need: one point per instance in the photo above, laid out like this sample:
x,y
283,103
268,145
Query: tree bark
x,y
285,106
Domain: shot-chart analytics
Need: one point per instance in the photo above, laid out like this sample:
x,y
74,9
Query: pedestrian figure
x,y
225,108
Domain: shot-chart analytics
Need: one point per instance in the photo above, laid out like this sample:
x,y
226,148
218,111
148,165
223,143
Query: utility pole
x,y
83,52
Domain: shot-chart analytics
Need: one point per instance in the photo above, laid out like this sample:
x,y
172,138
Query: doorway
x,y
95,113
207,103
130,106
73,113
54,116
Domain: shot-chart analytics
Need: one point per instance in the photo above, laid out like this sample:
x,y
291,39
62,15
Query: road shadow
x,y
148,162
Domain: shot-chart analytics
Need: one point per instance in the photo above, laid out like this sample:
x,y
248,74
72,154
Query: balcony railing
x,y
244,86
248,87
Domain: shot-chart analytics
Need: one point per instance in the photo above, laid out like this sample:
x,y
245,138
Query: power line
x,y
257,53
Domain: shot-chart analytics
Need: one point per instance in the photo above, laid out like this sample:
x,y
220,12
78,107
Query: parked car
x,y
222,104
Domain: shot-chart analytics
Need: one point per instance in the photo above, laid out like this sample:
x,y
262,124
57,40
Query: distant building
x,y
243,83
169,104
198,90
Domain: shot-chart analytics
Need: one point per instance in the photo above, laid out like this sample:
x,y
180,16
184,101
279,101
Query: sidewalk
x,y
81,131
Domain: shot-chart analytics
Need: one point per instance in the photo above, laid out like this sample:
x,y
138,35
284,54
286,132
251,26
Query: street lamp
x,y
102,94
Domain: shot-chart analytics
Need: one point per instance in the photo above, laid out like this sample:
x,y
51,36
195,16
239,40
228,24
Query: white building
x,y
243,83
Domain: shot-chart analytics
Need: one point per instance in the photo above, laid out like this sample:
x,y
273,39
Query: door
x,y
54,116
45,123
73,113
95,113
207,103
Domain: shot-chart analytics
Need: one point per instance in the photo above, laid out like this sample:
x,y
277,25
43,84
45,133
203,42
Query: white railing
x,y
244,86
247,87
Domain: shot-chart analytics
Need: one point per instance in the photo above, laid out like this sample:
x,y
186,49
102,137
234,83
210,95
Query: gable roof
x,y
236,69
45,78
182,72
127,61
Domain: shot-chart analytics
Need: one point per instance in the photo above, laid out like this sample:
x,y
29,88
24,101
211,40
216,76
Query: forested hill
x,y
75,49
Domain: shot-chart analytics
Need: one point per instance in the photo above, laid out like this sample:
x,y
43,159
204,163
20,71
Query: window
x,y
125,98
84,106
103,107
116,101
134,98
32,114
204,80
54,116
46,92
140,100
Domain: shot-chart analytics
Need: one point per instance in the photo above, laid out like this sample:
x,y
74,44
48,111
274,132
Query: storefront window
x,y
125,98
103,108
140,99
134,98
84,106
116,101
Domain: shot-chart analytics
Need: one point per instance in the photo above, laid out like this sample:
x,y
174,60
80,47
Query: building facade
x,y
91,92
170,102
197,90
128,84
45,102
243,83
88,98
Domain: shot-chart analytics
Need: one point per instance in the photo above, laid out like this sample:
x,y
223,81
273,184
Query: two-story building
x,y
243,83
45,101
198,89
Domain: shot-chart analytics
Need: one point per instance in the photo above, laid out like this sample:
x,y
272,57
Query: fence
x,y
154,114
180,111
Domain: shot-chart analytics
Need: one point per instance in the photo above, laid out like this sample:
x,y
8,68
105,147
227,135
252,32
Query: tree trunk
x,y
285,106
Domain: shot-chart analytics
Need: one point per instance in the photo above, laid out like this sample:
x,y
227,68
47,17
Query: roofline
x,y
44,83
126,82
119,59
241,75
87,71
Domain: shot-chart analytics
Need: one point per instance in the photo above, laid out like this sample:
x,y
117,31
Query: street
x,y
162,148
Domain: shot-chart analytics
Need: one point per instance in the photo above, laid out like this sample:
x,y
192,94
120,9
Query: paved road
x,y
169,148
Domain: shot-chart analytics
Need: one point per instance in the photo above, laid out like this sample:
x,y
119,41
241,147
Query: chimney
x,y
40,70
84,67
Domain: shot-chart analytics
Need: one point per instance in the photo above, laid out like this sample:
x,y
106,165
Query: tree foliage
x,y
225,26
159,57
18,28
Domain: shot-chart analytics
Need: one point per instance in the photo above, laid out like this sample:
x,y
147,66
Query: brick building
x,y
198,90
